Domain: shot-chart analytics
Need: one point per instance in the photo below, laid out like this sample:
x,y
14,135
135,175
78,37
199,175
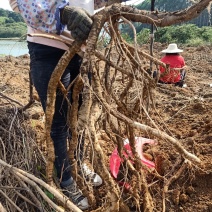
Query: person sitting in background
x,y
177,66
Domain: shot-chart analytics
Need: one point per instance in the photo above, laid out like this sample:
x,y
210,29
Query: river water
x,y
12,47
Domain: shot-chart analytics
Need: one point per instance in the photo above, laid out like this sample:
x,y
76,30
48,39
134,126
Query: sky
x,y
5,3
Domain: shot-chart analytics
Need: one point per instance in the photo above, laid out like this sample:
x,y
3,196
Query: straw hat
x,y
172,48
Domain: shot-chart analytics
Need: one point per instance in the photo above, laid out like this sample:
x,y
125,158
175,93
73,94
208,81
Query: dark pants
x,y
43,62
180,83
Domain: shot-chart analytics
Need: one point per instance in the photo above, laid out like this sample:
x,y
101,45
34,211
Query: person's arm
x,y
162,69
41,15
183,65
14,5
78,21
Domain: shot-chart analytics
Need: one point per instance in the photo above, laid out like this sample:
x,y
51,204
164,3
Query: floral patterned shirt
x,y
44,15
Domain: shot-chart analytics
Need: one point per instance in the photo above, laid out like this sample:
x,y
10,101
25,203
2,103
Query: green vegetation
x,y
11,24
11,30
184,34
204,19
195,32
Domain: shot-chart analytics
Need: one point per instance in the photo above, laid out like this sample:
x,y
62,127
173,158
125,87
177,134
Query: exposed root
x,y
35,183
170,181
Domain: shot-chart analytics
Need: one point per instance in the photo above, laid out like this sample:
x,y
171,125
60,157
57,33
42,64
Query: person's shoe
x,y
91,176
75,194
185,86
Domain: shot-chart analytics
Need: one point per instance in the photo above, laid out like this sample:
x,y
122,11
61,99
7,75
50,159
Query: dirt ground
x,y
186,112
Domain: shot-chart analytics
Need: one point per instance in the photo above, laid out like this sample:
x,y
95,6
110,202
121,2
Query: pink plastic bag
x,y
115,160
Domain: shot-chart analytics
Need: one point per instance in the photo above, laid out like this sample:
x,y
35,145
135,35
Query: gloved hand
x,y
78,21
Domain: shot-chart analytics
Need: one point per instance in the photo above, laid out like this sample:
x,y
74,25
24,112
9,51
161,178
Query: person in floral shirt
x,y
59,17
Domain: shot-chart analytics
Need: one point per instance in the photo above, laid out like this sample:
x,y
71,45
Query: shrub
x,y
184,34
195,42
143,36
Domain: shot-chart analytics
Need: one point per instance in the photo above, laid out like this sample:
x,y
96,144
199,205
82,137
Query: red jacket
x,y
175,61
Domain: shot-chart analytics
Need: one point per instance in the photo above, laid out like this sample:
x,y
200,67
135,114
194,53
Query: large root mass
x,y
119,102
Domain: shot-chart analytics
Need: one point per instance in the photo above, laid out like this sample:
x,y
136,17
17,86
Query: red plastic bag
x,y
115,160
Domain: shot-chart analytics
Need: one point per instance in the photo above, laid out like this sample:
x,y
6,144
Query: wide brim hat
x,y
172,48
